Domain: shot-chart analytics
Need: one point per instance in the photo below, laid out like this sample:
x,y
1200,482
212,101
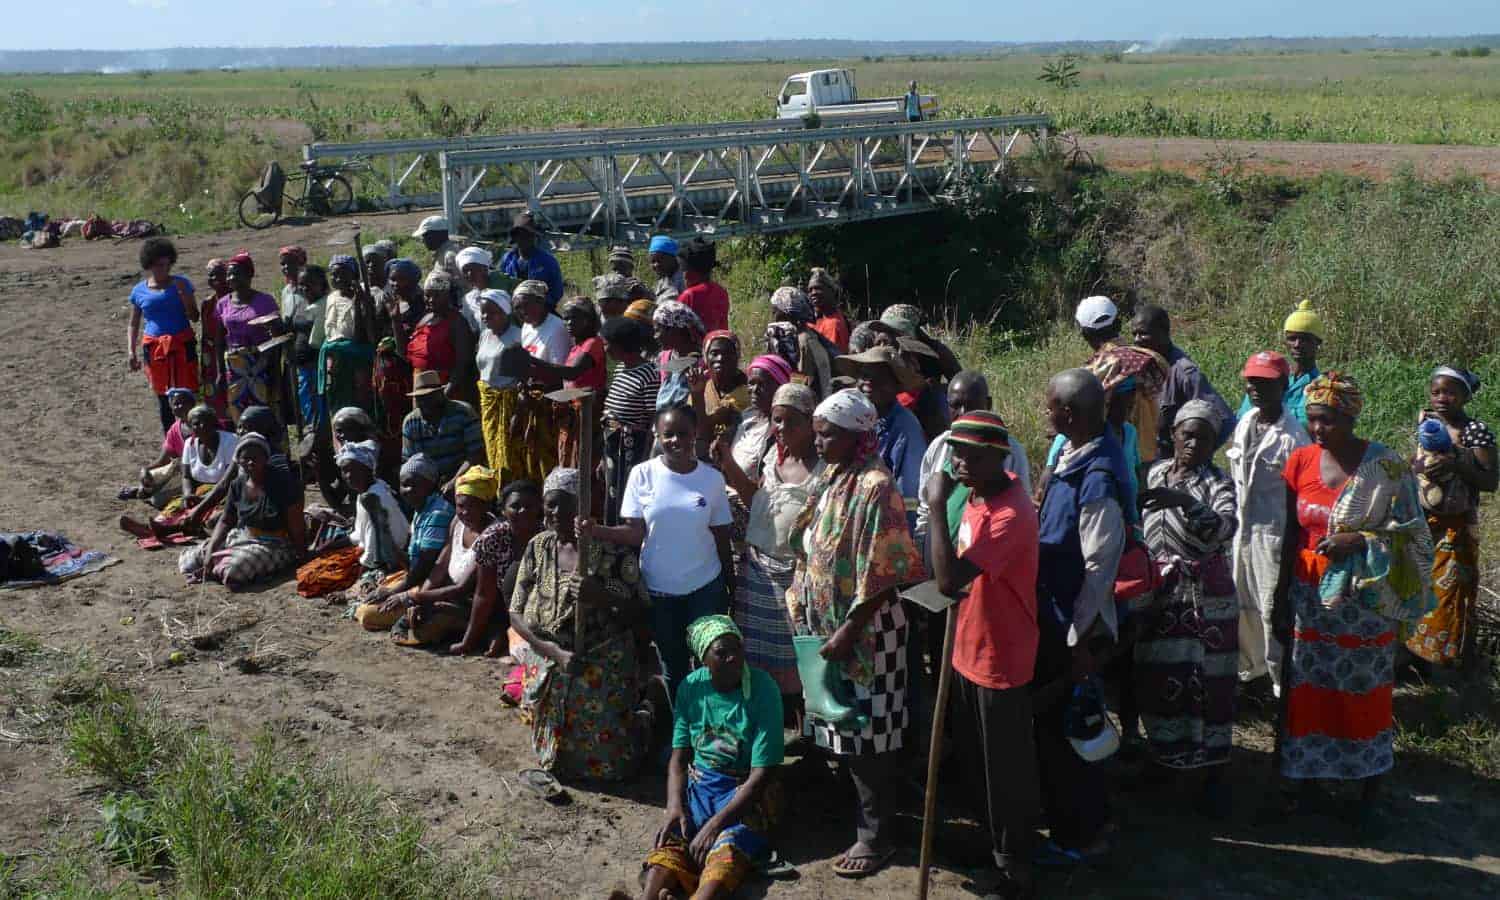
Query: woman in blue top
x,y
165,303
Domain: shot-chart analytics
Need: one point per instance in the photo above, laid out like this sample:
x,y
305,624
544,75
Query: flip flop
x,y
541,783
778,869
878,861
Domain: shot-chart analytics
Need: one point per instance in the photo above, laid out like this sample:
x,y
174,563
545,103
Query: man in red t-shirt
x,y
703,296
993,564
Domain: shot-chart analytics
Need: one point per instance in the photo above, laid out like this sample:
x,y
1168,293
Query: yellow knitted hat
x,y
1305,320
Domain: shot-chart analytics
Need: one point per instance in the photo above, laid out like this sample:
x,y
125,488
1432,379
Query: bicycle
x,y
324,192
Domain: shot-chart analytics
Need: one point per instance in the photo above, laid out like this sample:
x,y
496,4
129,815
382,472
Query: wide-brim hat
x,y
425,382
857,363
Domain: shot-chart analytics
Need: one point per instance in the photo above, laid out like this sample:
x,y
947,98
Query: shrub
x,y
24,114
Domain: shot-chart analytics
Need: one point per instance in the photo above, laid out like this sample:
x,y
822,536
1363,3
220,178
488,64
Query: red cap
x,y
1267,364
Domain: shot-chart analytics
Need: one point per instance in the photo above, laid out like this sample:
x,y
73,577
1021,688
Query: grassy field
x,y
180,146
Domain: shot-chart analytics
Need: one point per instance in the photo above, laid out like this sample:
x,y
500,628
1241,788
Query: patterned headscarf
x,y
820,277
404,266
579,305
295,252
216,266
478,481
642,311
776,367
981,428
241,260
561,479
613,286
421,466
793,304
1336,391
849,410
1199,409
343,262
798,396
438,280
861,338
704,631
530,289
1462,376
672,314
722,334
782,341
366,453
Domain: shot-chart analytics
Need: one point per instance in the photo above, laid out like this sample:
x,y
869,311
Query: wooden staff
x,y
927,596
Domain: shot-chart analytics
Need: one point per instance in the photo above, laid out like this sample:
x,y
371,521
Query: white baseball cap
x,y
431,223
1096,312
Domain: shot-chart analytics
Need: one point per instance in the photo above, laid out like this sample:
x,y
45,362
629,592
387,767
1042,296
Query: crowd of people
x,y
736,555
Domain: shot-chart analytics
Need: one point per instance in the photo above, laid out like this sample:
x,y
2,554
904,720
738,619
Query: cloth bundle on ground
x,y
334,571
36,558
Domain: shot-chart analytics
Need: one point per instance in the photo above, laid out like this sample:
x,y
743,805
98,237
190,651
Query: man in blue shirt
x,y
913,103
528,260
882,374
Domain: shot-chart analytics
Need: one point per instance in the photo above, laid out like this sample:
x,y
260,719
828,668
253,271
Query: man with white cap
x,y
526,260
1114,361
433,232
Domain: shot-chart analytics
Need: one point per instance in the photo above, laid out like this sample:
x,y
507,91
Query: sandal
x,y
542,784
876,860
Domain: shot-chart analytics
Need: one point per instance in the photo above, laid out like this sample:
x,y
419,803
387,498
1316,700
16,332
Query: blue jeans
x,y
672,614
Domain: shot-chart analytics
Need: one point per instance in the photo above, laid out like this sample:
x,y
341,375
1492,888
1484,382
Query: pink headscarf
x,y
776,367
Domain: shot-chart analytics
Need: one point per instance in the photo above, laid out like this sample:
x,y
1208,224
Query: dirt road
x,y
430,728
1293,158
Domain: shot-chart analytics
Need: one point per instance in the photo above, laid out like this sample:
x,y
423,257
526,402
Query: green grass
x,y
196,817
180,147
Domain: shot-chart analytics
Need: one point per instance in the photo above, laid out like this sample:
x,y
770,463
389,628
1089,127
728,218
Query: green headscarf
x,y
704,631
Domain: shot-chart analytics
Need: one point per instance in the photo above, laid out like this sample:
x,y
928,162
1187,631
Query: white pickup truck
x,y
831,94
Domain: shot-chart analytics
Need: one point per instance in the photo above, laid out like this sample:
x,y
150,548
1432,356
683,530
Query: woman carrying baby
x,y
1455,462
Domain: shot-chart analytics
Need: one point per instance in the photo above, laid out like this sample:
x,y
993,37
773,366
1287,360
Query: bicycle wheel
x,y
253,215
338,196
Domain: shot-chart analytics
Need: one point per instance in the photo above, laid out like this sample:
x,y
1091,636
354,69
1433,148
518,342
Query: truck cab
x,y
806,91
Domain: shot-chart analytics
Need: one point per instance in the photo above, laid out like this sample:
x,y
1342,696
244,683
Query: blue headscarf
x,y
405,265
663,244
345,262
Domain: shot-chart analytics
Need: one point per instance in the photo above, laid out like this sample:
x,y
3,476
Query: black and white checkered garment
x,y
884,701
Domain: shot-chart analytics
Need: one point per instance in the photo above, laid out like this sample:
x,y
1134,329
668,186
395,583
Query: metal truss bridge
x,y
622,186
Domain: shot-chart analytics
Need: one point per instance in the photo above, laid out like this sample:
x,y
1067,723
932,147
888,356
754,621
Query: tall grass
x,y
184,807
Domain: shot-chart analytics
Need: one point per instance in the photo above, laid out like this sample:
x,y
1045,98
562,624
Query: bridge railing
x,y
724,184
402,160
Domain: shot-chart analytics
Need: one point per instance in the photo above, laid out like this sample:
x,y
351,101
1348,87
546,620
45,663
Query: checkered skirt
x,y
884,701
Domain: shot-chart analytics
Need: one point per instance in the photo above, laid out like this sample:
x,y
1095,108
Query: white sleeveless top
x,y
212,472
460,558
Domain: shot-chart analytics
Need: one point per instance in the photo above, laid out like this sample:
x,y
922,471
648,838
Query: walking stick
x,y
585,396
927,596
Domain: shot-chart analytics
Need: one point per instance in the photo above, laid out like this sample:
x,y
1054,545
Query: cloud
x,y
148,4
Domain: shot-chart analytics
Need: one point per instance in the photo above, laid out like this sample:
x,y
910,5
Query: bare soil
x,y
1295,159
430,727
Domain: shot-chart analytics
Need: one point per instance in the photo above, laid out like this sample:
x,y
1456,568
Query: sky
x,y
153,24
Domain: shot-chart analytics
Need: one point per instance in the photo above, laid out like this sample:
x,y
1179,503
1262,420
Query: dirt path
x,y
1295,159
430,728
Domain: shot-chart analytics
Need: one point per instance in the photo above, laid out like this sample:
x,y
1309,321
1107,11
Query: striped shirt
x,y
631,400
455,438
429,528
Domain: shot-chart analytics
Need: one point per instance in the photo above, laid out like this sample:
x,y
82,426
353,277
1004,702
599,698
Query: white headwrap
x,y
560,479
366,453
849,410
468,256
499,298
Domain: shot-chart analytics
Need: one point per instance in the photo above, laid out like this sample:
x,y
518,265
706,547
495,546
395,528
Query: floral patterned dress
x,y
852,546
582,723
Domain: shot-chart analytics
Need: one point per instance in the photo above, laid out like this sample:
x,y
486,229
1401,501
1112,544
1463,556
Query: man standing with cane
x,y
984,543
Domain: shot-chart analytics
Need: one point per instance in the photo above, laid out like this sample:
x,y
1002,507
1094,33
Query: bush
x,y
24,114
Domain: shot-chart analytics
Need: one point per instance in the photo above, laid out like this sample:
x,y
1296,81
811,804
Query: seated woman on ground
x,y
158,482
438,611
260,533
351,425
262,421
427,538
726,737
207,458
582,700
376,544
496,554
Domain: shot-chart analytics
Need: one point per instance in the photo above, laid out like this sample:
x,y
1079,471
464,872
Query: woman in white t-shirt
x,y
542,334
676,510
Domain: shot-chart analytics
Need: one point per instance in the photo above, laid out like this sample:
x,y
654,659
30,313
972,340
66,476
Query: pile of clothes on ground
x,y
38,232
